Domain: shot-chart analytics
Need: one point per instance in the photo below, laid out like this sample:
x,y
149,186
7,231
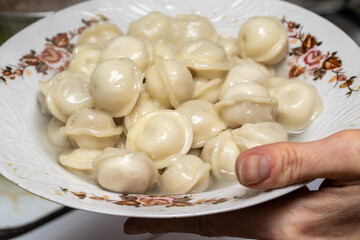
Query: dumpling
x,y
299,104
255,134
221,152
125,171
91,128
68,92
54,134
263,39
243,73
144,105
99,33
153,26
246,103
164,49
169,82
189,174
85,57
207,90
205,58
205,120
276,81
162,135
268,70
116,85
79,161
188,27
229,44
138,50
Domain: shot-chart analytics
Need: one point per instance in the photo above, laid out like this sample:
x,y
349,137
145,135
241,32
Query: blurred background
x,y
25,216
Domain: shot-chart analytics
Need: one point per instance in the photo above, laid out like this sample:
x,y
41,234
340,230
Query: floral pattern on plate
x,y
54,58
305,58
138,200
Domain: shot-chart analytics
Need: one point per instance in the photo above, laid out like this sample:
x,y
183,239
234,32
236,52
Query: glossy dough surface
x,y
162,135
263,39
168,107
116,85
189,174
122,170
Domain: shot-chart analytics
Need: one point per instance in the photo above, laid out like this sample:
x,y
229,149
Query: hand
x,y
332,212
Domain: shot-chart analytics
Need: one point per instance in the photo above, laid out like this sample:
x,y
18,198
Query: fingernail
x,y
133,228
254,169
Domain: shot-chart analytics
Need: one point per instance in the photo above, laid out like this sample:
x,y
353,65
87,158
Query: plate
x,y
319,53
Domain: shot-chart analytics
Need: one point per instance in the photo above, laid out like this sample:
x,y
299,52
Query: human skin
x,y
332,212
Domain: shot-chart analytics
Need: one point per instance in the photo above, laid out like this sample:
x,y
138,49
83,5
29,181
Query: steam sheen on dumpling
x,y
116,85
125,171
256,134
189,174
138,50
79,160
99,33
91,128
244,73
85,57
188,27
68,92
169,82
299,104
205,57
205,120
153,26
221,152
55,135
263,39
162,135
250,101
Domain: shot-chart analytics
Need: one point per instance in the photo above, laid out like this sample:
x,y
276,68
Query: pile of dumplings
x,y
169,106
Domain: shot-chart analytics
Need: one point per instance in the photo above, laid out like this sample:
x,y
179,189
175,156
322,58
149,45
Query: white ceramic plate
x,y
318,50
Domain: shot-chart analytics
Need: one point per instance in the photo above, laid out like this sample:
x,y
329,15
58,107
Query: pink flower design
x,y
313,58
161,201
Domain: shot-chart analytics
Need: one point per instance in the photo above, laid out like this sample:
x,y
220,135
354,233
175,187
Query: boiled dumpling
x,y
143,106
263,39
229,44
91,128
299,104
205,57
54,134
99,33
185,28
85,57
221,152
169,82
115,86
205,120
276,81
153,26
138,50
68,92
189,174
255,134
268,70
243,73
207,90
246,103
164,49
162,135
79,160
125,171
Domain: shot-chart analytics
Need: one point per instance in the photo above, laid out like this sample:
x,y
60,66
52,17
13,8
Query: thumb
x,y
336,157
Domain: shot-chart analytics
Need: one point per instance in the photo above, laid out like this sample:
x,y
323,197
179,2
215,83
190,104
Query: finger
x,y
280,164
254,222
